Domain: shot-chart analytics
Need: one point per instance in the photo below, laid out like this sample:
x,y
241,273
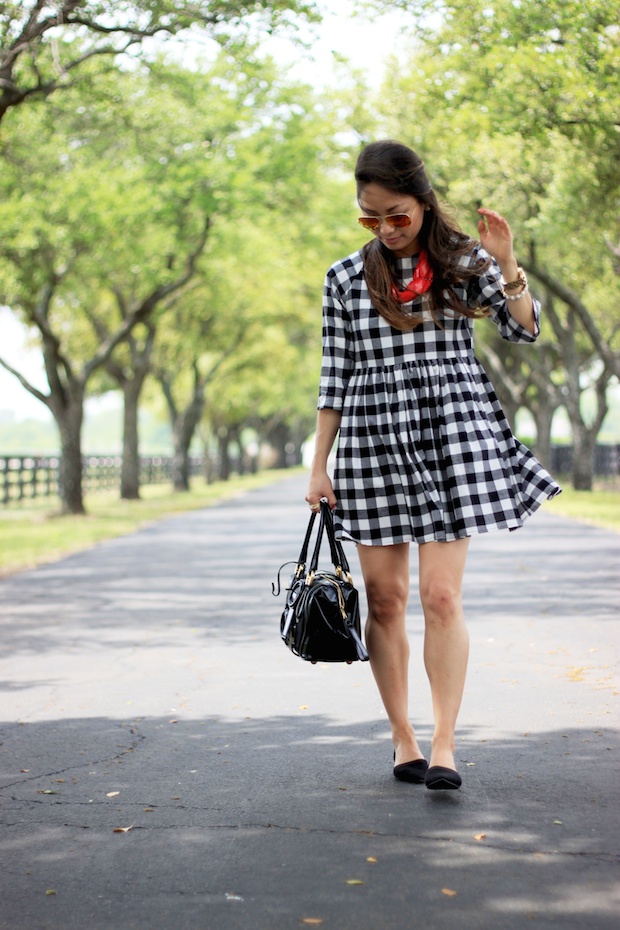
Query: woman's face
x,y
378,201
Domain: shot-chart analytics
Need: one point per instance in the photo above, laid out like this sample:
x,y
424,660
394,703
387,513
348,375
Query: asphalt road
x,y
145,690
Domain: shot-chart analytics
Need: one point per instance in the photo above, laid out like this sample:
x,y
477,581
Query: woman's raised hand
x,y
495,235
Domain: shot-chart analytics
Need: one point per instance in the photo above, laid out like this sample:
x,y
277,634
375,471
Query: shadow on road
x,y
248,822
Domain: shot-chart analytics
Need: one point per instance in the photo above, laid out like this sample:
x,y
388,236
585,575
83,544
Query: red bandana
x,y
419,284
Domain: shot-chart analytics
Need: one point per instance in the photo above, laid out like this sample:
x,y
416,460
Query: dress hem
x,y
468,532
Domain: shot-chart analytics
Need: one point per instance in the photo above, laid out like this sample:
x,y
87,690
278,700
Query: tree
x,y
195,346
129,366
525,379
44,46
67,382
66,217
584,433
152,161
549,161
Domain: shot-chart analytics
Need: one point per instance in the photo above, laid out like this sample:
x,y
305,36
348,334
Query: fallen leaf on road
x,y
371,859
48,791
50,891
354,881
123,829
480,836
112,794
149,810
449,892
315,921
560,823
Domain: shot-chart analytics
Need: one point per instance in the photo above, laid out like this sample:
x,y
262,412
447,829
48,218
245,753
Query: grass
x,y
600,507
31,534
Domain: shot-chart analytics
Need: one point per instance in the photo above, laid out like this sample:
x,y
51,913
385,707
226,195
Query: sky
x,y
365,40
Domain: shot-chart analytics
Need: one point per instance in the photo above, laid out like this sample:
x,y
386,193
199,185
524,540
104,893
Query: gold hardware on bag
x,y
341,604
341,574
339,595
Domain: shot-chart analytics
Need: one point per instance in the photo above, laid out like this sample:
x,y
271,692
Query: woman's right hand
x,y
319,486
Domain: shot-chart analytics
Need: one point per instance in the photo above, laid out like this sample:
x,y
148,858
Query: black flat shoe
x,y
413,772
438,777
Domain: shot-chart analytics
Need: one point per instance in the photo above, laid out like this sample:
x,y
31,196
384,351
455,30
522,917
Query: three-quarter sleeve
x,y
486,291
337,357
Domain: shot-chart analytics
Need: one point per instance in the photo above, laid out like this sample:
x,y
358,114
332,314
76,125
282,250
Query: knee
x,y
387,604
441,601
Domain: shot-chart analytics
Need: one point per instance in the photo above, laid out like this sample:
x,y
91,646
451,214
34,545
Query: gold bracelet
x,y
521,281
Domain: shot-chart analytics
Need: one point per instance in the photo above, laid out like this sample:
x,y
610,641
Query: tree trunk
x,y
180,468
223,444
130,469
584,441
543,418
130,378
240,459
584,436
69,419
184,423
299,435
183,433
278,437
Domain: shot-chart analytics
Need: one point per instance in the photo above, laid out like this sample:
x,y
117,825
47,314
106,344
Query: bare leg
x,y
386,578
446,641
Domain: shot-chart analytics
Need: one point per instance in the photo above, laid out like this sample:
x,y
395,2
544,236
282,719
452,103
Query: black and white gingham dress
x,y
425,451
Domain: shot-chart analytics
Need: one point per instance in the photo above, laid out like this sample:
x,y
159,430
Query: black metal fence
x,y
24,477
606,460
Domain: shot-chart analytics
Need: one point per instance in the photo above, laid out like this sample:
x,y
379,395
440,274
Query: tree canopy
x,y
45,45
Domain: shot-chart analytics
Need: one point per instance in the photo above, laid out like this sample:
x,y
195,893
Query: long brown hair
x,y
399,169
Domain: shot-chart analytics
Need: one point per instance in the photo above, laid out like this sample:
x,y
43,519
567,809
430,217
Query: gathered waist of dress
x,y
364,368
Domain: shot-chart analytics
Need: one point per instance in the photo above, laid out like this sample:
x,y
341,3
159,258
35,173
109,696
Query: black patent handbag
x,y
321,618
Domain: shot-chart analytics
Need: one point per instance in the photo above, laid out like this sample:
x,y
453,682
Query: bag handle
x,y
337,550
339,559
300,564
303,555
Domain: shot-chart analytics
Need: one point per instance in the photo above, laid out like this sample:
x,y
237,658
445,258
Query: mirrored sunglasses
x,y
397,220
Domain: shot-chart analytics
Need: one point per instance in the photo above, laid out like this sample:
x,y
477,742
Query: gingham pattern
x,y
425,451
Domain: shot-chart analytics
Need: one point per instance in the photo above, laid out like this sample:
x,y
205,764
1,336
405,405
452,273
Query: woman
x,y
425,453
